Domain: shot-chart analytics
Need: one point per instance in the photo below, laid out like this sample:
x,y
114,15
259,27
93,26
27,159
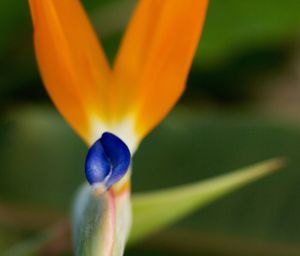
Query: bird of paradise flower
x,y
114,108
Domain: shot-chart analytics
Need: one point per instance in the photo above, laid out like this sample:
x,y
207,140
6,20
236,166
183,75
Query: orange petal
x,y
72,63
155,57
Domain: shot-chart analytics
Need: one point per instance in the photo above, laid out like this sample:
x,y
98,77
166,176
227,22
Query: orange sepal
x,y
155,57
72,63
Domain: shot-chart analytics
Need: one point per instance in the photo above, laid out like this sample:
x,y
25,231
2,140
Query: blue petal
x,y
107,160
97,164
119,155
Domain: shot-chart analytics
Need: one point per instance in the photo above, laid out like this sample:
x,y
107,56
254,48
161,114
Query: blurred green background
x,y
241,106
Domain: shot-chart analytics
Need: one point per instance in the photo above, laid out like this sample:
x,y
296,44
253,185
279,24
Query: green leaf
x,y
153,211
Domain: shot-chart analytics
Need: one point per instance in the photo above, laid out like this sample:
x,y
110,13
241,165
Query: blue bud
x,y
107,161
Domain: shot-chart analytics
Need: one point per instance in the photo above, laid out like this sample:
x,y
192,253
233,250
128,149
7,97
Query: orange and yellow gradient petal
x,y
72,63
148,76
128,100
154,59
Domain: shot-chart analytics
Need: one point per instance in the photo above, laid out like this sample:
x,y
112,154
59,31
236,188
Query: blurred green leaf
x,y
28,247
234,27
12,16
264,211
52,241
38,169
181,242
152,211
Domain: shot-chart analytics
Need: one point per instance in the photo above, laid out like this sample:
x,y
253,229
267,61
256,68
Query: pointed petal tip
x,y
155,56
72,63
